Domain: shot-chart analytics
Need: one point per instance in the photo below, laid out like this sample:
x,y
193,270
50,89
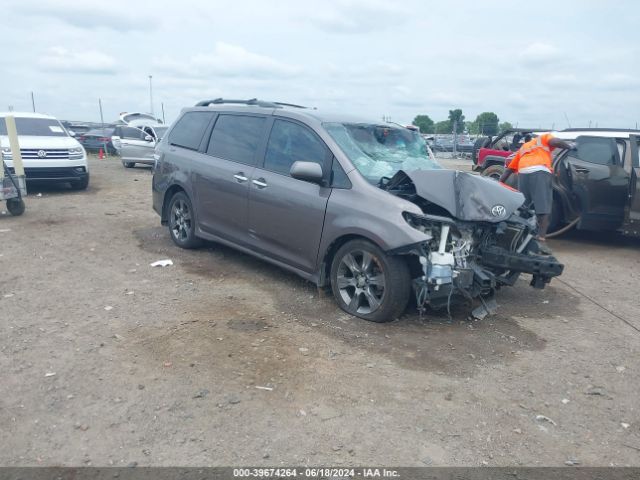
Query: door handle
x,y
240,177
260,183
582,170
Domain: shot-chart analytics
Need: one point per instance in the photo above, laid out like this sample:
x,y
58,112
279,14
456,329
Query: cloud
x,y
359,16
619,81
228,61
109,15
539,53
60,59
564,80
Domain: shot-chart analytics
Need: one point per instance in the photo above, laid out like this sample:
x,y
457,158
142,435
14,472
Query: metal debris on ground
x,y
487,308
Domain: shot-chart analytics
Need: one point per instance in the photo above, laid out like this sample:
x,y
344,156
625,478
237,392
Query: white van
x,y
49,153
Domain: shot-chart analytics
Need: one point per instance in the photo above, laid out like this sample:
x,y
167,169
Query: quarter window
x,y
290,142
188,131
236,138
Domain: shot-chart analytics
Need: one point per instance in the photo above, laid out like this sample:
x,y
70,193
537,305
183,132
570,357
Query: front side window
x,y
601,151
132,133
189,129
380,151
236,138
38,127
289,143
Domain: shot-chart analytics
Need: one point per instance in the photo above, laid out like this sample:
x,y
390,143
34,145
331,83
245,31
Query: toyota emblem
x,y
42,154
498,211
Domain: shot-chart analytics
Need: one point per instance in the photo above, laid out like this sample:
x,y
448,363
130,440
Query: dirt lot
x,y
105,360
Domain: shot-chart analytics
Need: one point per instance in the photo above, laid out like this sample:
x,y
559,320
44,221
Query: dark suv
x,y
344,202
595,186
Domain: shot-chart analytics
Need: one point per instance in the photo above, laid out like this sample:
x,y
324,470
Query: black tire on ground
x,y
182,223
368,283
15,206
494,171
128,164
80,184
480,142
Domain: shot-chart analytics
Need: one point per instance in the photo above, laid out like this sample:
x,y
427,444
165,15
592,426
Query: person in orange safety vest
x,y
533,162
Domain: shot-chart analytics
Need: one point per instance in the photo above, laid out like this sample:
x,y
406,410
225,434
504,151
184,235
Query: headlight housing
x,y
76,153
6,153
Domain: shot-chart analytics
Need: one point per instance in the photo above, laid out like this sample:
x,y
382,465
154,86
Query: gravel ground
x,y
222,359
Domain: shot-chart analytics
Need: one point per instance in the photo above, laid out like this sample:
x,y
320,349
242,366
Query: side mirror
x,y
307,171
148,138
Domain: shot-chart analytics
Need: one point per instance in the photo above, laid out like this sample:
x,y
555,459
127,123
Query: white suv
x,y
49,153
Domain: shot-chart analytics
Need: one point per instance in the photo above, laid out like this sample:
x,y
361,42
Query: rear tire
x,y
368,283
15,206
182,222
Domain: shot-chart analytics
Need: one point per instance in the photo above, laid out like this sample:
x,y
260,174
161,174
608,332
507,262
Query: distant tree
x,y
505,126
472,127
456,118
487,123
424,123
443,127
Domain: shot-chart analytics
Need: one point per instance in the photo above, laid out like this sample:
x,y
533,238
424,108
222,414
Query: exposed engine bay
x,y
479,237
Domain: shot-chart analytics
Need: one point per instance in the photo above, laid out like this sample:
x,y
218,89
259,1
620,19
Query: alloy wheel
x,y
361,282
180,220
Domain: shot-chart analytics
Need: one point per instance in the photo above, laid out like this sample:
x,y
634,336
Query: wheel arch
x,y
324,272
168,195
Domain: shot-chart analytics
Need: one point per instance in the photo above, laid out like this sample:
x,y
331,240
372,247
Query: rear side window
x,y
236,138
188,131
290,142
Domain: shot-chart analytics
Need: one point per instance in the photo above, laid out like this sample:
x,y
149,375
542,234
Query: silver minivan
x,y
347,203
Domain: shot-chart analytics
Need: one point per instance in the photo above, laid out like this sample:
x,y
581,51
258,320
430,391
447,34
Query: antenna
x,y
567,118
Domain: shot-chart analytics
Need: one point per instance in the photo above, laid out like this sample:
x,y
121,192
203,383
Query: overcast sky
x,y
530,62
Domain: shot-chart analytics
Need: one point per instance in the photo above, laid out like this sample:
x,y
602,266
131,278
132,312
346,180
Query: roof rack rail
x,y
252,102
282,104
578,129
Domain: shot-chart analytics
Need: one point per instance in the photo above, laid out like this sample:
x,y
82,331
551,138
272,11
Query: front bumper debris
x,y
543,268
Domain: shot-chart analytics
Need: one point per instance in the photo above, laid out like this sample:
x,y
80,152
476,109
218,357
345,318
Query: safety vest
x,y
533,153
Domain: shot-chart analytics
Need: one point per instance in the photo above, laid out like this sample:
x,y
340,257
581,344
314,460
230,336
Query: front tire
x,y
182,222
128,164
81,184
369,284
494,172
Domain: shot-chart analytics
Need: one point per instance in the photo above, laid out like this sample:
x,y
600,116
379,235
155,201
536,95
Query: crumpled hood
x,y
465,196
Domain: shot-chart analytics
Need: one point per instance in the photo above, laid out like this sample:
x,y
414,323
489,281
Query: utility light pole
x,y
150,95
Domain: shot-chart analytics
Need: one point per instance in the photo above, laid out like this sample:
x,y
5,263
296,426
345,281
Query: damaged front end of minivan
x,y
480,237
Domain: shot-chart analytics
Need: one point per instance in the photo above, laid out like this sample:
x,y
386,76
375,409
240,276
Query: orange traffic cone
x,y
101,154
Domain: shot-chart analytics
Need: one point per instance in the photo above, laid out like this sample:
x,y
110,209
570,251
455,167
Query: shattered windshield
x,y
379,151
